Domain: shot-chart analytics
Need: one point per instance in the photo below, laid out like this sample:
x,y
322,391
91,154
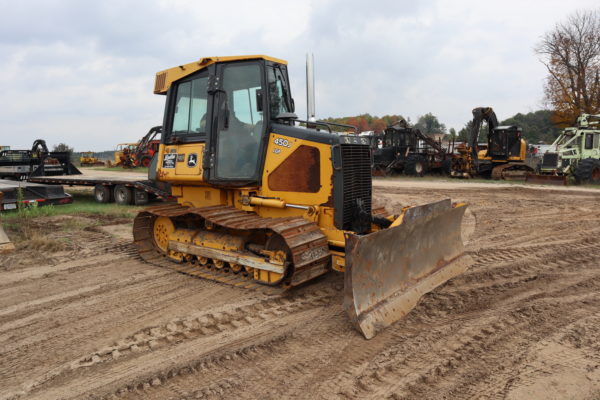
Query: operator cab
x,y
505,142
228,105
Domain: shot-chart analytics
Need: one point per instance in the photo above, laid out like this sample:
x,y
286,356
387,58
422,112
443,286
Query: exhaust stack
x,y
310,88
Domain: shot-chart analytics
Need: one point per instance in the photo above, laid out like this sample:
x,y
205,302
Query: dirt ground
x,y
88,319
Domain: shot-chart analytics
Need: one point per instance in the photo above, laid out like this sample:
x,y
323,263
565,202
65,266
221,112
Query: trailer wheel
x,y
415,166
123,195
141,197
103,193
588,171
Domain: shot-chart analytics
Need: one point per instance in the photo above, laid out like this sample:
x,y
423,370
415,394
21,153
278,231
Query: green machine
x,y
576,153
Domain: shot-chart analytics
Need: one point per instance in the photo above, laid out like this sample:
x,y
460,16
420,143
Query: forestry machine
x,y
502,158
262,201
576,153
405,149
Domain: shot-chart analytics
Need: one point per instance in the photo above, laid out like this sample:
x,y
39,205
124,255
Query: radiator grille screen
x,y
550,160
356,170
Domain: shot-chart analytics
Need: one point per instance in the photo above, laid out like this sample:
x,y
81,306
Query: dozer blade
x,y
6,245
388,271
547,179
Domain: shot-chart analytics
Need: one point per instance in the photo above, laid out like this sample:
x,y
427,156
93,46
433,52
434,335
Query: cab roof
x,y
165,78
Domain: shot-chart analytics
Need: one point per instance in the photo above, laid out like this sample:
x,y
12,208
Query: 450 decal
x,y
282,142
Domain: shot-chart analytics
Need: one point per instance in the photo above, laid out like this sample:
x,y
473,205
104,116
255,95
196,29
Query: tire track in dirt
x,y
530,262
103,384
579,255
95,314
40,305
45,272
289,369
199,325
468,352
200,354
492,332
204,324
491,374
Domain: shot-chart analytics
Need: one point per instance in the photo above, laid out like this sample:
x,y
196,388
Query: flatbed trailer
x,y
122,190
31,193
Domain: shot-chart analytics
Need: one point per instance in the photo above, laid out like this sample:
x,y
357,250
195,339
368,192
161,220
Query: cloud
x,y
83,72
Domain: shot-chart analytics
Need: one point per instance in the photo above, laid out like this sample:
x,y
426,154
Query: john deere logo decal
x,y
192,160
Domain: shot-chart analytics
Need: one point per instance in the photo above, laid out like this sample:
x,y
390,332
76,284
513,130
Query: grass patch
x,y
83,204
41,243
33,229
78,224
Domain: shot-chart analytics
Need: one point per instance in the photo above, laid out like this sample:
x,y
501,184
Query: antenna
x,y
310,88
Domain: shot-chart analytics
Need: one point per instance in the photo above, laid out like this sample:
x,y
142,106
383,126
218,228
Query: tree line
x,y
427,123
537,126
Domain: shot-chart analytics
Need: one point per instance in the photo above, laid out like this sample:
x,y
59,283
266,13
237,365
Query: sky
x,y
82,72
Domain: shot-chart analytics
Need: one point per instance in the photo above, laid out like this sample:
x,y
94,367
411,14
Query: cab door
x,y
239,131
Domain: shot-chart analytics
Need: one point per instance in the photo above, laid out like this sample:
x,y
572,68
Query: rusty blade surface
x,y
547,179
388,271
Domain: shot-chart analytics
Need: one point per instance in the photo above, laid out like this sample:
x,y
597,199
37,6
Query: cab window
x,y
277,92
190,116
589,141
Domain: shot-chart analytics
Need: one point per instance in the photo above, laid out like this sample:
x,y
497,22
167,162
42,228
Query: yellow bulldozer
x,y
264,201
124,156
89,159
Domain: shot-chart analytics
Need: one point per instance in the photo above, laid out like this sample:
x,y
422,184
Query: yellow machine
x,y
502,158
260,200
88,159
124,155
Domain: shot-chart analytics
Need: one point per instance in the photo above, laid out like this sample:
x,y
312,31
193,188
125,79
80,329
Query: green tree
x,y
571,54
429,123
463,134
452,133
62,147
537,126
